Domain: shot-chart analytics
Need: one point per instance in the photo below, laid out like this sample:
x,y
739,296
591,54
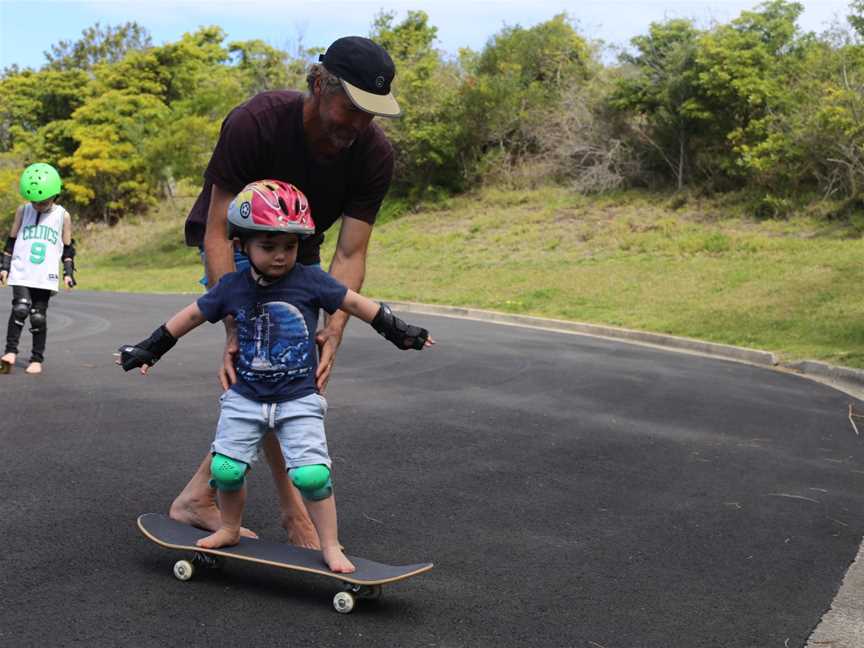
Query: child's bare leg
x,y
196,504
323,514
231,505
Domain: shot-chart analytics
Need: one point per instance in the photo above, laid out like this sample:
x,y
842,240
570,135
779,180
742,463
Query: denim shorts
x,y
298,424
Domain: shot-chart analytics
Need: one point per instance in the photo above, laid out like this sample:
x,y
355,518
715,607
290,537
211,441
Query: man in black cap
x,y
325,143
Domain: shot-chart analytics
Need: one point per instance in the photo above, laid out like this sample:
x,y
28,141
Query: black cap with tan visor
x,y
366,71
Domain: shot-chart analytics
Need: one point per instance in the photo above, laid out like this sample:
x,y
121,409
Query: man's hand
x,y
328,340
69,282
227,372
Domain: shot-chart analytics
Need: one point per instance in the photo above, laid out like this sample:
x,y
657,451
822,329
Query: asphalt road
x,y
571,491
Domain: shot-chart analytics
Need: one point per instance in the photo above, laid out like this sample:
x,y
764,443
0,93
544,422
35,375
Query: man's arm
x,y
219,260
349,267
218,250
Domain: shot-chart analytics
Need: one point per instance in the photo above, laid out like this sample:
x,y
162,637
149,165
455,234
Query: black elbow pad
x,y
69,250
10,245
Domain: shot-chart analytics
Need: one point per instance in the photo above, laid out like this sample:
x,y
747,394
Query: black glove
x,y
147,351
405,336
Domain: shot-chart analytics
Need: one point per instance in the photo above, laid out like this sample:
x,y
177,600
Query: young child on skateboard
x,y
275,305
41,236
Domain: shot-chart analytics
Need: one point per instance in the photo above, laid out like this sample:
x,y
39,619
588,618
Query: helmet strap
x,y
261,278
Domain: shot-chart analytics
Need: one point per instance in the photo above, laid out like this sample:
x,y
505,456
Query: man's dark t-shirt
x,y
263,139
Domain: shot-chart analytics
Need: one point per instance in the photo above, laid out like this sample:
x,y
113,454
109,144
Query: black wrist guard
x,y
147,351
10,245
405,336
5,262
69,270
69,261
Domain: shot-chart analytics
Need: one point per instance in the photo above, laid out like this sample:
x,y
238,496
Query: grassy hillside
x,y
633,260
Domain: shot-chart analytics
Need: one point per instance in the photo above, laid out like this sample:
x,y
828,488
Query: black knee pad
x,y
37,320
20,310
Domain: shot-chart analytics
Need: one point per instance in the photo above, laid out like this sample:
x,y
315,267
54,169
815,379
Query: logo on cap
x,y
245,209
379,82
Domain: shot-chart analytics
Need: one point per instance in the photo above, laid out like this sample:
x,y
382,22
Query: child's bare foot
x,y
337,561
202,514
222,538
34,368
8,357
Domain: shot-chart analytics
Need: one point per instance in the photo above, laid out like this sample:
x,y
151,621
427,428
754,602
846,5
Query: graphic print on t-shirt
x,y
274,342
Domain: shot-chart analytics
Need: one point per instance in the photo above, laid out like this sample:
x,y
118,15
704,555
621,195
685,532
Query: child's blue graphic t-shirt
x,y
276,327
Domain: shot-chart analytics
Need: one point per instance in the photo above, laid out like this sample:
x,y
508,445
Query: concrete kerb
x,y
842,626
845,379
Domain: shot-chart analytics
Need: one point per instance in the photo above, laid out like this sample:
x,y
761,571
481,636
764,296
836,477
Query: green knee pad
x,y
228,474
313,482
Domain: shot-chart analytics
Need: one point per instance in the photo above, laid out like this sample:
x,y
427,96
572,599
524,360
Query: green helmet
x,y
40,181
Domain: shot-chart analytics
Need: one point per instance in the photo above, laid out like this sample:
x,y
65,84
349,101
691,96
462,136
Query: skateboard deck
x,y
5,367
365,582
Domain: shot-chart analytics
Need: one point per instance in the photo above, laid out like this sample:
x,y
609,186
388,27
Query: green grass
x,y
140,255
643,261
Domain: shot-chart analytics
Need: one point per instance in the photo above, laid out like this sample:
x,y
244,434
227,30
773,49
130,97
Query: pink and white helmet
x,y
270,206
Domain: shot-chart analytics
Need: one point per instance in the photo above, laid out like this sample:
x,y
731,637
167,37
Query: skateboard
x,y
5,367
365,583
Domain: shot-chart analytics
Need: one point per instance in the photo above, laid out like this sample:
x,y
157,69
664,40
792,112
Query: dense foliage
x,y
753,106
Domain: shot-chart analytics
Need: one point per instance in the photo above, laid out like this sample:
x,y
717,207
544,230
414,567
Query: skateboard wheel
x,y
343,602
183,570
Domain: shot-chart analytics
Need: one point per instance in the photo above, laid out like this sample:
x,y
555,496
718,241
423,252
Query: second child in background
x,y
40,238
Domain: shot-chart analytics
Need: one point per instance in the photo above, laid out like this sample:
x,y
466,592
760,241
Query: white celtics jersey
x,y
38,248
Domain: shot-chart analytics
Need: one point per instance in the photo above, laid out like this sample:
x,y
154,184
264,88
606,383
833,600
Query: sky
x,y
29,27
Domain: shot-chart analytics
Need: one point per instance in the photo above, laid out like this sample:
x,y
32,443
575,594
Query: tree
x,y
746,68
98,45
425,137
519,76
30,100
664,92
856,17
262,66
